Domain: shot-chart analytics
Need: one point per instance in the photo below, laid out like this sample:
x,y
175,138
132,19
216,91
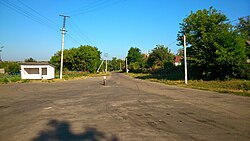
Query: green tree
x,y
159,55
216,49
10,67
83,58
30,60
121,63
180,52
55,60
115,64
243,27
134,55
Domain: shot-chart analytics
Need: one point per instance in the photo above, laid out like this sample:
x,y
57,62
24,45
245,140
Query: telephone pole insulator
x,y
64,20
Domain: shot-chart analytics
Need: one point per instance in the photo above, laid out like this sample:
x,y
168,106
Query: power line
x,y
89,6
26,13
171,43
38,13
102,5
16,9
79,33
73,39
33,15
238,19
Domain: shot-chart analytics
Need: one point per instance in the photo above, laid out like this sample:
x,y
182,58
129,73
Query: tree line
x,y
159,58
215,48
84,58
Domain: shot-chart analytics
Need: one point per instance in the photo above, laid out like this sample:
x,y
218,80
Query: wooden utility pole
x,y
185,58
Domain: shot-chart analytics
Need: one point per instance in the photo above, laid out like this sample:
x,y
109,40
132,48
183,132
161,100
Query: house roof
x,y
37,63
178,58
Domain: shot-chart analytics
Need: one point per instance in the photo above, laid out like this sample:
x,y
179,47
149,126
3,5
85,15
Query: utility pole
x,y
126,63
0,53
185,58
63,33
100,66
106,69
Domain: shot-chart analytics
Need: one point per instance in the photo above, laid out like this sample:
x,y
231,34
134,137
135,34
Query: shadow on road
x,y
61,131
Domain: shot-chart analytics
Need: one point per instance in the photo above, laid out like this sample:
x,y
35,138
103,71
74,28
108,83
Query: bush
x,y
15,78
25,80
4,80
246,86
10,67
169,66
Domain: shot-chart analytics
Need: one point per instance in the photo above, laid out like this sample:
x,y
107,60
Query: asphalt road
x,y
125,109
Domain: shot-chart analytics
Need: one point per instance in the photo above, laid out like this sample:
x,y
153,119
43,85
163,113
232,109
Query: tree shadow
x,y
163,76
175,73
61,131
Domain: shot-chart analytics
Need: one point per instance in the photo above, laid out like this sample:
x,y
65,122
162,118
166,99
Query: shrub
x,y
246,86
15,78
25,80
5,80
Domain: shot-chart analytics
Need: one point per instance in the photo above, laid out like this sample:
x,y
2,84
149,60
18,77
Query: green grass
x,y
74,74
5,78
77,75
70,75
237,87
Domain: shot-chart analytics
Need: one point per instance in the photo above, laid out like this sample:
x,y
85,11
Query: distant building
x,y
2,70
178,60
37,70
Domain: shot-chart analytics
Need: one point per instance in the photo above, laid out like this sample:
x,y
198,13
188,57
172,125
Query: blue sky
x,y
31,28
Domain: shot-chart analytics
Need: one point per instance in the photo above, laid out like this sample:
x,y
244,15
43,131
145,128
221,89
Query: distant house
x,y
37,70
2,70
177,60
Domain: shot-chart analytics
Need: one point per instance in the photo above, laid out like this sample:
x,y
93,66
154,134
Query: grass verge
x,y
237,87
79,75
5,78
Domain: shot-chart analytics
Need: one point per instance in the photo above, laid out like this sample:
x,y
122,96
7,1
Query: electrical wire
x,y
77,30
38,13
171,43
26,13
96,7
238,19
35,16
89,6
73,39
